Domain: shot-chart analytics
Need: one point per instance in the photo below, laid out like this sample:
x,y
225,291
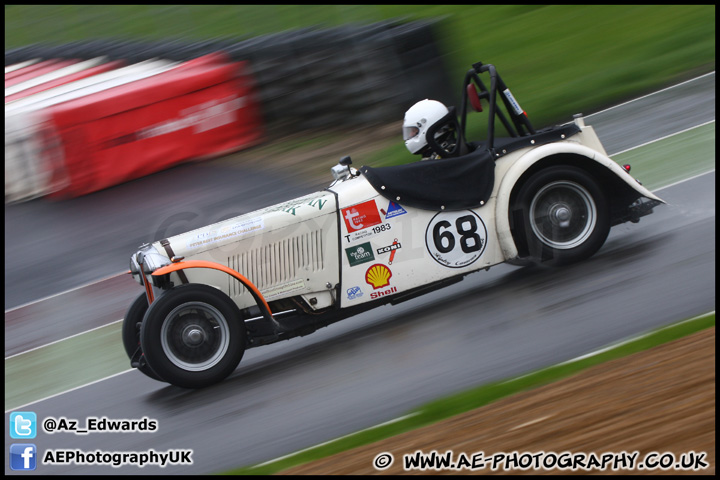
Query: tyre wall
x,y
348,76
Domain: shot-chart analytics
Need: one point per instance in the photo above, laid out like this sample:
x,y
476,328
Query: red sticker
x,y
361,216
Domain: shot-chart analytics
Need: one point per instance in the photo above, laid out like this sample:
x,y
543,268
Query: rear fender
x,y
519,167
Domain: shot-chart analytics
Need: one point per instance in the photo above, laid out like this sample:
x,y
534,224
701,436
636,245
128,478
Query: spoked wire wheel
x,y
561,215
193,335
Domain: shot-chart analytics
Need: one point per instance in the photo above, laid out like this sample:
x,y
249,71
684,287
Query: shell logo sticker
x,y
378,276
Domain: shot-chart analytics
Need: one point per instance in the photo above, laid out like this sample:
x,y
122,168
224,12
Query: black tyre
x,y
131,336
561,215
193,336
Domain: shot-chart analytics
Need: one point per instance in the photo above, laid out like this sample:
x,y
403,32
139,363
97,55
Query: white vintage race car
x,y
377,236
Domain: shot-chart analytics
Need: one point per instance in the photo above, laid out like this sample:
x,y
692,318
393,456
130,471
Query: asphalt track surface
x,y
374,367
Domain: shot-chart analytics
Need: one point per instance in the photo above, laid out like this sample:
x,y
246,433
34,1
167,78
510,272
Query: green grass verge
x,y
679,156
480,396
67,364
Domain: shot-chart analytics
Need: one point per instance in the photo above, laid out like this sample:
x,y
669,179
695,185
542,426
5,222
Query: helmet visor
x,y
410,132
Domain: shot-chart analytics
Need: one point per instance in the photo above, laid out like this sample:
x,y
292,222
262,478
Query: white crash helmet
x,y
418,119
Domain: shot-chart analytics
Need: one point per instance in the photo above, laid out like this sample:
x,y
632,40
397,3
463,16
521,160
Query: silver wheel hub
x,y
563,214
195,336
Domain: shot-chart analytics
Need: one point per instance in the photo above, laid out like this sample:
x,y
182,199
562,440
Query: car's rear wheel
x,y
564,216
193,336
131,336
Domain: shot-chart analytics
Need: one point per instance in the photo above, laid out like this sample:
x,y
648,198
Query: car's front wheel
x,y
562,215
193,336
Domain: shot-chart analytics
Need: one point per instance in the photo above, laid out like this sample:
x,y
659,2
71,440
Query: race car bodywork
x,y
375,236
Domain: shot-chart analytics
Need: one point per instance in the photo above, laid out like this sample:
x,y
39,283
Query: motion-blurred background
x,y
130,123
98,95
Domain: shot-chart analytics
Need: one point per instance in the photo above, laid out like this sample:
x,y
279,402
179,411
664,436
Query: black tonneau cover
x,y
454,183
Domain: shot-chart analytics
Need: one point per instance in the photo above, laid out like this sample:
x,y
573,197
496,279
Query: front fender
x,y
259,299
520,166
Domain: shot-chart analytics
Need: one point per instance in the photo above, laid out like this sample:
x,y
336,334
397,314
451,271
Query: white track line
x,y
67,391
63,339
334,440
663,138
66,291
651,94
684,180
631,339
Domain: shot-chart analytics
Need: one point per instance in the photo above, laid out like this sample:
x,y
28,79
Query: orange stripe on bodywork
x,y
174,267
148,289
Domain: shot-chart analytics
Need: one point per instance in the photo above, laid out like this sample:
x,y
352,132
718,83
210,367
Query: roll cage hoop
x,y
520,125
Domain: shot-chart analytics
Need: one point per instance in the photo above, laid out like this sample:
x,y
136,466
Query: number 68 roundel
x,y
456,239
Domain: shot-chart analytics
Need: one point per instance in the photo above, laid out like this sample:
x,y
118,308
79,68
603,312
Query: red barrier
x,y
89,72
200,109
29,68
33,71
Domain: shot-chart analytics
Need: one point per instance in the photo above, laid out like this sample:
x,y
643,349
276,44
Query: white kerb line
x,y
68,391
335,440
63,339
110,277
663,138
653,93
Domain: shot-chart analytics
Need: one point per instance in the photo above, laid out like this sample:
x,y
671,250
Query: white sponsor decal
x,y
283,289
513,102
362,234
229,231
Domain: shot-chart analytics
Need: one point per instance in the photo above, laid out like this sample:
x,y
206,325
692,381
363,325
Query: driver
x,y
434,118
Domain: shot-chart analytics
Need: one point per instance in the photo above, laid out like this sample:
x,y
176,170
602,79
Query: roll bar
x,y
520,126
